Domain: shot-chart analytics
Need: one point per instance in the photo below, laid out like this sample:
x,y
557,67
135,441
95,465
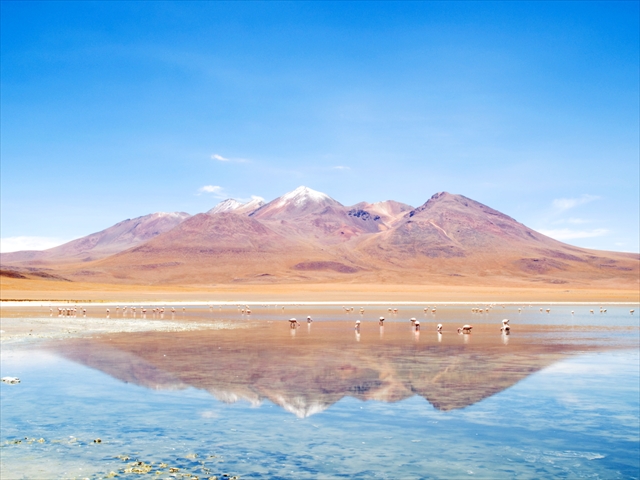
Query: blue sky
x,y
115,110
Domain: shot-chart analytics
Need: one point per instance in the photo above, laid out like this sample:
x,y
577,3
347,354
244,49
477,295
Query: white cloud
x,y
568,234
220,158
211,189
341,167
572,221
216,190
250,199
562,204
578,221
16,244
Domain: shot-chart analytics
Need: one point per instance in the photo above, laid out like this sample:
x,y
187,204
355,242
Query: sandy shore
x,y
43,292
247,302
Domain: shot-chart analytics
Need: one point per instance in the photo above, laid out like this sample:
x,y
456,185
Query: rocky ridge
x,y
308,236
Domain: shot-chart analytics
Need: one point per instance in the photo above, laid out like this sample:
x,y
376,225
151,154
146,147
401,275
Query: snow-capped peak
x,y
255,202
302,195
227,205
170,214
233,205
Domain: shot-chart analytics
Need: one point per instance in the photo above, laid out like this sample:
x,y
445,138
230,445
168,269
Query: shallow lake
x,y
558,397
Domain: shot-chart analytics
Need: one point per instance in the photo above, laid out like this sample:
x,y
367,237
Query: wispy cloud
x,y
216,190
572,221
563,204
16,244
578,221
569,234
220,158
250,199
341,167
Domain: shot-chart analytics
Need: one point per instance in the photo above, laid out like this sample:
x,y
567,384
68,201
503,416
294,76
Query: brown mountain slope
x,y
206,248
306,236
454,235
315,217
388,212
119,237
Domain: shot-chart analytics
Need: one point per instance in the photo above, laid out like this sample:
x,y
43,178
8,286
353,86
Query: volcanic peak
x,y
233,205
453,202
227,205
301,196
251,205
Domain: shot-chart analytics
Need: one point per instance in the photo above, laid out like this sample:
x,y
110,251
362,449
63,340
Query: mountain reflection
x,y
308,372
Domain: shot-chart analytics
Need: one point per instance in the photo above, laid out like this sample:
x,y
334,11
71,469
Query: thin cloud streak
x,y
17,244
563,204
568,234
220,158
251,199
578,221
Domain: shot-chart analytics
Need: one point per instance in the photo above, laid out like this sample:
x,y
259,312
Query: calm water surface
x,y
559,397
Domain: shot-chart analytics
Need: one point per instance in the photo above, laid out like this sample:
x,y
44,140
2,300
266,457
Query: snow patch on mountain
x,y
182,215
302,195
227,205
233,205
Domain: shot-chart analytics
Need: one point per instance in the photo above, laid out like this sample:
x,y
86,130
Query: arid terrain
x,y
305,245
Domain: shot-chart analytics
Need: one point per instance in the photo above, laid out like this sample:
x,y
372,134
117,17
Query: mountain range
x,y
307,236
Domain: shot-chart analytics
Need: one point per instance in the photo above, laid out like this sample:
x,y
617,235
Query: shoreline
x,y
54,303
19,292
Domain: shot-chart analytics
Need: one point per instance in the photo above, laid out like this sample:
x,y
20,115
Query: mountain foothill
x,y
307,236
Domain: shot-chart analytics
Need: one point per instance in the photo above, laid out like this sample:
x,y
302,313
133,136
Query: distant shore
x,y
14,292
67,303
